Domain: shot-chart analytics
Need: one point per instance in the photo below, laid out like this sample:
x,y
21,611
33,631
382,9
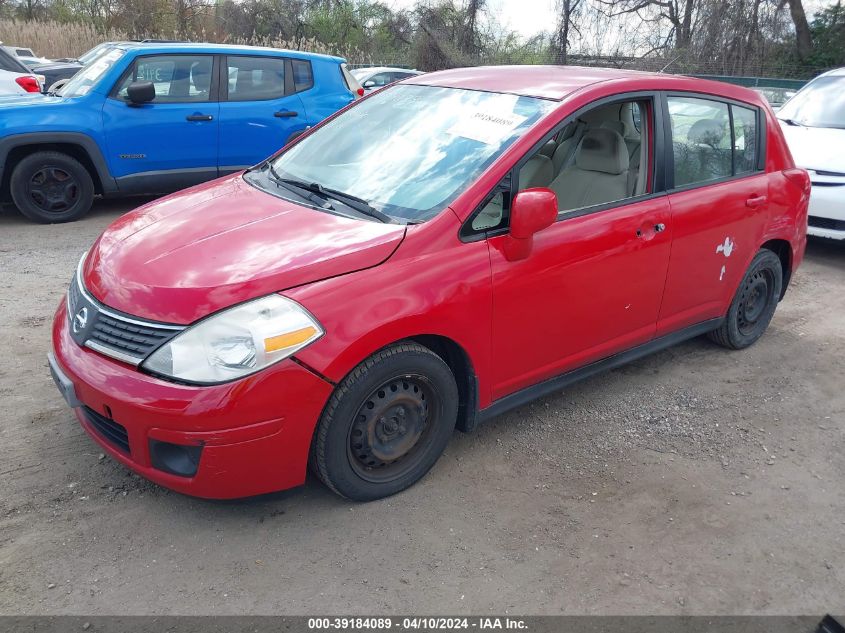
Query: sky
x,y
526,17
529,17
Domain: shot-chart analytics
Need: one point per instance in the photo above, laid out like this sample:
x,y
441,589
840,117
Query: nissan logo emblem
x,y
80,320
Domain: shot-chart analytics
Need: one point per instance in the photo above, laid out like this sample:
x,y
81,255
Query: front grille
x,y
826,223
126,337
109,430
111,333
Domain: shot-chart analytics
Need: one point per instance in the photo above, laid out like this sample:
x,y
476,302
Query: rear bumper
x,y
251,436
827,212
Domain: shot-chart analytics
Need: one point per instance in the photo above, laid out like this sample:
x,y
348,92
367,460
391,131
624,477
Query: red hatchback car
x,y
443,250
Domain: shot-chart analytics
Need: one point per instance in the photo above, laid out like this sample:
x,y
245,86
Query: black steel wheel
x,y
51,187
392,429
754,303
386,424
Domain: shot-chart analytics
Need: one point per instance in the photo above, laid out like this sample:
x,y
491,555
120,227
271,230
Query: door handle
x,y
284,114
755,201
645,234
199,117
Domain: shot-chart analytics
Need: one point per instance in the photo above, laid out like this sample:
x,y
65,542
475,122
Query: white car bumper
x,y
827,206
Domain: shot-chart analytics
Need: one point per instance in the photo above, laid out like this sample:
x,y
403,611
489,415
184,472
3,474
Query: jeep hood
x,y
28,100
187,255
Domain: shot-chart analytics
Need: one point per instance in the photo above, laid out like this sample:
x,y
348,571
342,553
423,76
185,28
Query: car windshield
x,y
92,53
82,82
821,103
360,73
409,150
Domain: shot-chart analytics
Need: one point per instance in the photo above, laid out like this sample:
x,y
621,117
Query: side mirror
x,y
370,83
532,210
139,92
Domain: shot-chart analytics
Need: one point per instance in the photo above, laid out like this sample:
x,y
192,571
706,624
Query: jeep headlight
x,y
236,342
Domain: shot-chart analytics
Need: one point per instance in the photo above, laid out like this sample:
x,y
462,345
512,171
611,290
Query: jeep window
x,y
177,78
82,82
409,150
255,78
303,76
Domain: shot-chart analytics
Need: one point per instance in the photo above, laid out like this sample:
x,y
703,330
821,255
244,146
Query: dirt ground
x,y
695,481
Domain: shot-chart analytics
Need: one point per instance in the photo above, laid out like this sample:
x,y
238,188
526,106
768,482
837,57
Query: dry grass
x,y
55,39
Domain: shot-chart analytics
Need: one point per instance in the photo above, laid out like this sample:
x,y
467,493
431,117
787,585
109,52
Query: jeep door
x,y
171,142
259,107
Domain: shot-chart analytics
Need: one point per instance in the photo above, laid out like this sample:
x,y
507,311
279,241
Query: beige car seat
x,y
600,172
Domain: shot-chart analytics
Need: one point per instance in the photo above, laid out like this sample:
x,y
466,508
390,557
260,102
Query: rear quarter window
x,y
303,75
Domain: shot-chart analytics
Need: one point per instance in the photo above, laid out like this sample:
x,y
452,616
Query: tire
x,y
753,304
51,187
58,85
386,424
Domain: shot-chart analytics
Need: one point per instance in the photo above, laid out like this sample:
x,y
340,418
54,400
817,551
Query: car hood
x,y
187,255
816,148
55,66
27,100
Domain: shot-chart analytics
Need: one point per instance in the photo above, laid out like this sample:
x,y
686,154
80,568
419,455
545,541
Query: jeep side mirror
x,y
139,92
532,210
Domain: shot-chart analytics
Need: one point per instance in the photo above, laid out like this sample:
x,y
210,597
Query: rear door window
x,y
701,140
712,140
255,78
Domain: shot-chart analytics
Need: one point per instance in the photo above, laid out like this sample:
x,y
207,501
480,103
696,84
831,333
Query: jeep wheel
x,y
51,187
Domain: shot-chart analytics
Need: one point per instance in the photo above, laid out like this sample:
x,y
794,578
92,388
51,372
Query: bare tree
x,y
803,37
568,10
678,13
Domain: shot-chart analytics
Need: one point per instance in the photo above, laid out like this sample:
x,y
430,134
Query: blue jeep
x,y
154,118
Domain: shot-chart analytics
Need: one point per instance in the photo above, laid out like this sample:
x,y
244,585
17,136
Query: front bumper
x,y
254,434
827,211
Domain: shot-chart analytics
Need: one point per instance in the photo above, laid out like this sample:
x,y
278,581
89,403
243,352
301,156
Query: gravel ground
x,y
695,481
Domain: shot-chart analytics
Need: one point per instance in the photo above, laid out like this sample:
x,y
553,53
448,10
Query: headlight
x,y
236,342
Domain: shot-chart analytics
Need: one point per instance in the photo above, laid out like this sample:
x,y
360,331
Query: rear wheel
x,y
754,304
386,424
51,187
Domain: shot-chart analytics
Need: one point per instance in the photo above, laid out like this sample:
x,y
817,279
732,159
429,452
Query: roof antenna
x,y
669,63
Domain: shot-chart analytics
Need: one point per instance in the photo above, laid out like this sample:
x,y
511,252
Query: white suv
x,y
15,78
813,123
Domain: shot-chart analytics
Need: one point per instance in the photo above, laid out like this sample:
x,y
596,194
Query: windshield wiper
x,y
792,122
353,202
296,188
359,204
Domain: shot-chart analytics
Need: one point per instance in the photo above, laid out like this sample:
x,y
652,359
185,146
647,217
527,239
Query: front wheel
x,y
386,424
754,304
51,187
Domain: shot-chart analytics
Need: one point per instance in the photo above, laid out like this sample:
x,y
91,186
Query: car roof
x,y
557,82
836,72
382,69
204,47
